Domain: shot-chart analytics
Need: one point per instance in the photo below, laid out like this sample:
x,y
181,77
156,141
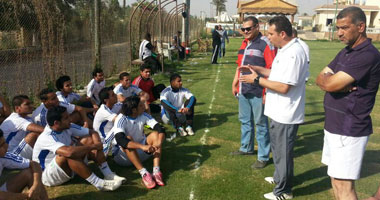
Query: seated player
x,y
178,111
65,94
19,131
105,117
145,83
135,146
125,89
48,100
95,85
29,176
60,156
5,109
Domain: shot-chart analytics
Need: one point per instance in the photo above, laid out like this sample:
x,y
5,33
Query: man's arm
x,y
32,127
235,82
77,151
83,113
126,142
35,191
330,82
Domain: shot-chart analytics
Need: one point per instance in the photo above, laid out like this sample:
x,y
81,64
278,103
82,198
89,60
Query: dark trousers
x,y
177,118
152,61
215,52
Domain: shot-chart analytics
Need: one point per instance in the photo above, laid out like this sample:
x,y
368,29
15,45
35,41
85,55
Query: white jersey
x,y
144,52
130,91
93,89
14,128
70,97
39,114
12,161
133,127
49,141
103,121
175,98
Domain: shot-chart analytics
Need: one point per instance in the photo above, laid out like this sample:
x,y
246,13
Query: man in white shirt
x,y
146,53
305,48
60,156
19,131
285,101
28,177
95,85
49,99
135,146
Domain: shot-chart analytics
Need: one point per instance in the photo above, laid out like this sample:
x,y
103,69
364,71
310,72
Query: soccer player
x,y
30,176
19,131
95,85
135,146
49,99
180,112
60,156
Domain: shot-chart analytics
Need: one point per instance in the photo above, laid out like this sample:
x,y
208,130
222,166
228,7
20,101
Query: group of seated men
x,y
55,141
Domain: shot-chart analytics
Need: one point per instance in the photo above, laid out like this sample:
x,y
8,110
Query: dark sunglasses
x,y
248,28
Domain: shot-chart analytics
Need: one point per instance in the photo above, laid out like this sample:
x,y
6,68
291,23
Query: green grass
x,y
221,176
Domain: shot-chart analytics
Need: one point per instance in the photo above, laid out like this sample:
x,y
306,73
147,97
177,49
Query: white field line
x,y
203,139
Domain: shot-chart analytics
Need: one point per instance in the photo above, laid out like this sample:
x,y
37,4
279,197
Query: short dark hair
x,y
18,100
356,14
147,36
216,27
145,66
122,75
96,71
60,81
54,114
282,24
43,94
251,18
129,104
174,76
103,94
1,133
294,32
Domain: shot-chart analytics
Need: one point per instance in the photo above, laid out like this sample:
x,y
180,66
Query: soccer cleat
x,y
189,130
113,176
283,196
148,181
270,180
158,178
110,185
181,131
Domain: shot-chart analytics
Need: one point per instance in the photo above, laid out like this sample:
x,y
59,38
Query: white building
x,y
326,13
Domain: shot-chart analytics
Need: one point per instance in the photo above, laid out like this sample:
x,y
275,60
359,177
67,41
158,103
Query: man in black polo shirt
x,y
351,82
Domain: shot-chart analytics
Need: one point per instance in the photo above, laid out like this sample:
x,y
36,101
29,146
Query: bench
x,y
137,62
166,50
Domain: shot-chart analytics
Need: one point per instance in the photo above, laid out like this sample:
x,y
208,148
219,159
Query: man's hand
x,y
34,192
246,68
249,78
149,149
184,110
97,146
234,90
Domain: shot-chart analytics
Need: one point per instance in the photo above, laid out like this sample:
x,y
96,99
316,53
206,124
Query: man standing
x,y
223,37
255,50
215,45
285,101
351,82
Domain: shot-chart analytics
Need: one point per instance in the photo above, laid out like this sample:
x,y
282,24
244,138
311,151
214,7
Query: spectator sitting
x,y
29,176
95,85
146,53
179,112
146,83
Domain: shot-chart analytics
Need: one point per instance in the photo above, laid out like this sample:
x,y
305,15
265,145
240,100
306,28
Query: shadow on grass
x,y
309,142
124,192
214,120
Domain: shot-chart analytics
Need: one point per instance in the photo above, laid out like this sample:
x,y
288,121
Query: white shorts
x,y
24,150
343,155
122,159
3,188
54,175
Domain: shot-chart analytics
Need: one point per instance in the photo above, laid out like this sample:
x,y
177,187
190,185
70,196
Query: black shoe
x,y
214,63
241,153
259,164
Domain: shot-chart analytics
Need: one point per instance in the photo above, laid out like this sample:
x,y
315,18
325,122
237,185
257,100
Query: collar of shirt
x,y
360,46
289,44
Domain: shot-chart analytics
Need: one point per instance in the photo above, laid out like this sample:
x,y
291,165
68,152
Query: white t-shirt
x,y
144,52
93,89
70,97
133,127
130,91
49,141
290,66
306,49
12,161
175,98
39,114
14,128
103,121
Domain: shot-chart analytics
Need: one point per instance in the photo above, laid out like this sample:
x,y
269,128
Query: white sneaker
x,y
271,196
189,130
110,185
115,177
181,131
269,180
172,137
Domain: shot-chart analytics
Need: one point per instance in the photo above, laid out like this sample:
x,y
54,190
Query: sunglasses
x,y
248,28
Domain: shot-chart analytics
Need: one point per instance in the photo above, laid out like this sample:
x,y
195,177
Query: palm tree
x,y
220,6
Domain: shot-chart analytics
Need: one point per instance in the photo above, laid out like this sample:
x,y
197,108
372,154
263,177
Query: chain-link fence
x,y
41,40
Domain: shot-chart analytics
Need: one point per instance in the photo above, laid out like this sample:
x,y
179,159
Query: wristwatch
x,y
257,79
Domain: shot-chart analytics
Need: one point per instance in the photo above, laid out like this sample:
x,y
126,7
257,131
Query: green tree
x,y
220,5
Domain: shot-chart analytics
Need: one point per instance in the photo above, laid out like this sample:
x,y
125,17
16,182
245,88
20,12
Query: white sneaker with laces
x,y
283,196
172,137
269,180
113,176
181,131
189,130
110,185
